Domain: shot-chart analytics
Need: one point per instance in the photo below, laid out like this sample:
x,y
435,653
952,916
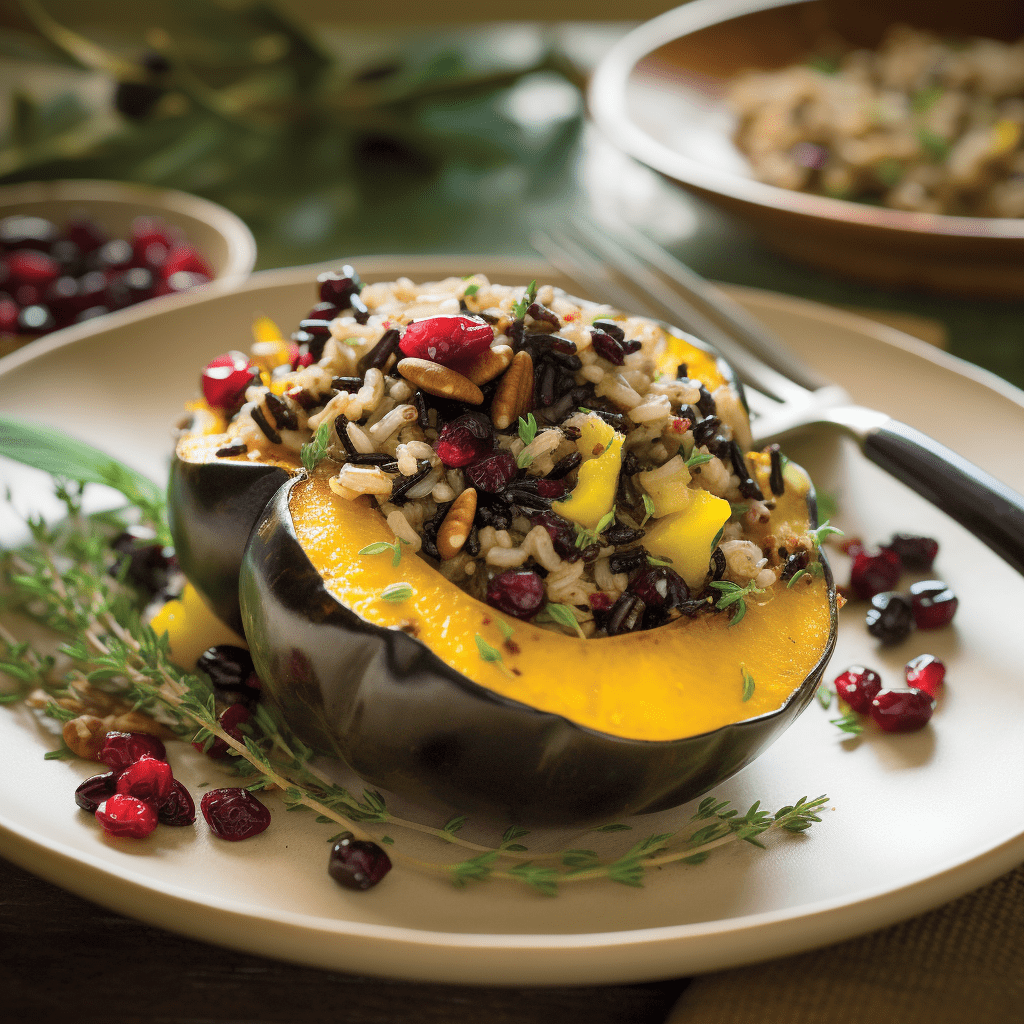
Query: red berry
x,y
86,234
857,686
561,532
121,749
234,814
338,287
660,587
902,710
465,439
148,779
8,316
551,488
874,572
225,379
915,552
925,672
851,545
517,592
450,338
188,259
233,716
26,266
91,793
123,815
357,864
149,230
493,473
934,604
178,808
600,601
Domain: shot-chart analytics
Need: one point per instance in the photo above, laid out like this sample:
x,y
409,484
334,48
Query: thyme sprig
x,y
734,594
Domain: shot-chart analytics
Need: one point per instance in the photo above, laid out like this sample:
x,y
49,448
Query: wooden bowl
x,y
659,95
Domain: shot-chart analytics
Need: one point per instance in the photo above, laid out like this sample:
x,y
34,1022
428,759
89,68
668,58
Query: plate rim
x,y
541,958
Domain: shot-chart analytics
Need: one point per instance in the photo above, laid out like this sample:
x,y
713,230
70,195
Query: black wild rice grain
x,y
261,421
307,400
545,384
619,534
718,564
341,429
563,467
625,614
403,484
681,372
284,417
615,419
314,345
628,561
318,328
371,459
349,384
359,310
377,357
748,485
231,449
611,328
776,481
490,318
706,403
706,429
794,564
422,413
541,312
473,542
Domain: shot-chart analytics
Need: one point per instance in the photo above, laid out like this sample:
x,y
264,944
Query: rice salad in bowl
x,y
566,463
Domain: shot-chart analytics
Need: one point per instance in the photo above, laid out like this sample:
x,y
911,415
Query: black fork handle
x,y
993,512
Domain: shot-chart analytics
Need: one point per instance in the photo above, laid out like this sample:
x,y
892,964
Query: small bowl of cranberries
x,y
71,251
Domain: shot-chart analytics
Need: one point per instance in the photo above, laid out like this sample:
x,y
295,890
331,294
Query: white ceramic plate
x,y
914,820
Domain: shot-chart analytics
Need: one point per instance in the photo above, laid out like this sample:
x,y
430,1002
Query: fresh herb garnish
x,y
506,630
850,722
735,511
933,144
814,569
527,429
734,594
823,531
380,546
564,616
520,308
585,537
698,459
824,695
396,592
489,653
471,289
316,450
748,684
651,560
649,509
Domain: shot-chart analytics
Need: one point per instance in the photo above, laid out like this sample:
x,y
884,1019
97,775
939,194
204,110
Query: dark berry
x,y
177,808
901,710
493,473
324,311
874,572
934,604
62,298
145,562
925,672
561,532
234,814
551,488
890,618
231,673
150,231
608,347
230,720
23,231
92,290
517,592
85,233
451,338
138,283
915,552
465,439
660,587
181,281
127,816
91,793
857,686
338,287
225,379
148,779
121,749
357,864
26,266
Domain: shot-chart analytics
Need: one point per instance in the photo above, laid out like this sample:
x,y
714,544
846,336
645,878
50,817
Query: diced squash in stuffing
x,y
688,538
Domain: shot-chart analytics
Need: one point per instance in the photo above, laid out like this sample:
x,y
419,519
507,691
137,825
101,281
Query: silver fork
x,y
783,394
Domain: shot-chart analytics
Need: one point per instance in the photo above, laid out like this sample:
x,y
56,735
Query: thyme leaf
x,y
748,684
396,592
564,616
519,309
734,594
649,509
316,450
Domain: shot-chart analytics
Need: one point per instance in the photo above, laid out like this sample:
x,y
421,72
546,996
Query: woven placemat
x,y
960,964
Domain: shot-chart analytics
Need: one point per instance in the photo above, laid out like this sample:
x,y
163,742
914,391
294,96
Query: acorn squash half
x,y
561,729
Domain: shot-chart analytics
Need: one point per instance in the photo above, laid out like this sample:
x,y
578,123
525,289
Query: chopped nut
x,y
85,735
514,397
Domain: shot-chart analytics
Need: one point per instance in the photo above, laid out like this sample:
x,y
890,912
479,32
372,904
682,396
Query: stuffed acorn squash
x,y
530,566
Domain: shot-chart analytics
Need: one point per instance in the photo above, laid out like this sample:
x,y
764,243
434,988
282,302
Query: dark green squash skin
x,y
211,509
403,720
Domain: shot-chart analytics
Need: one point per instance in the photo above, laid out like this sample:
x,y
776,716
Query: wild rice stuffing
x,y
529,445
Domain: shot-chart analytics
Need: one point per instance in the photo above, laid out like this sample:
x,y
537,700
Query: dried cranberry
x,y
30,267
915,552
874,572
857,686
178,808
234,814
148,779
600,601
91,793
517,592
660,587
150,231
339,287
561,532
934,604
225,379
551,488
608,347
465,439
323,311
8,315
925,672
493,473
121,749
231,672
356,863
230,719
890,618
902,710
127,816
186,258
450,338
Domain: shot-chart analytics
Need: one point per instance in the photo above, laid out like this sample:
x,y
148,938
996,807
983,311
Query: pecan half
x,y
439,380
514,397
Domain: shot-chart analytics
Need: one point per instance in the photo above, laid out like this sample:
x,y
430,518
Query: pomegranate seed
x,y
233,716
890,618
660,587
901,710
26,266
91,793
178,808
465,439
148,779
451,338
128,816
493,473
62,298
934,604
234,814
517,592
121,749
357,864
225,379
188,259
874,572
925,672
86,234
857,686
915,552
28,294
339,287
